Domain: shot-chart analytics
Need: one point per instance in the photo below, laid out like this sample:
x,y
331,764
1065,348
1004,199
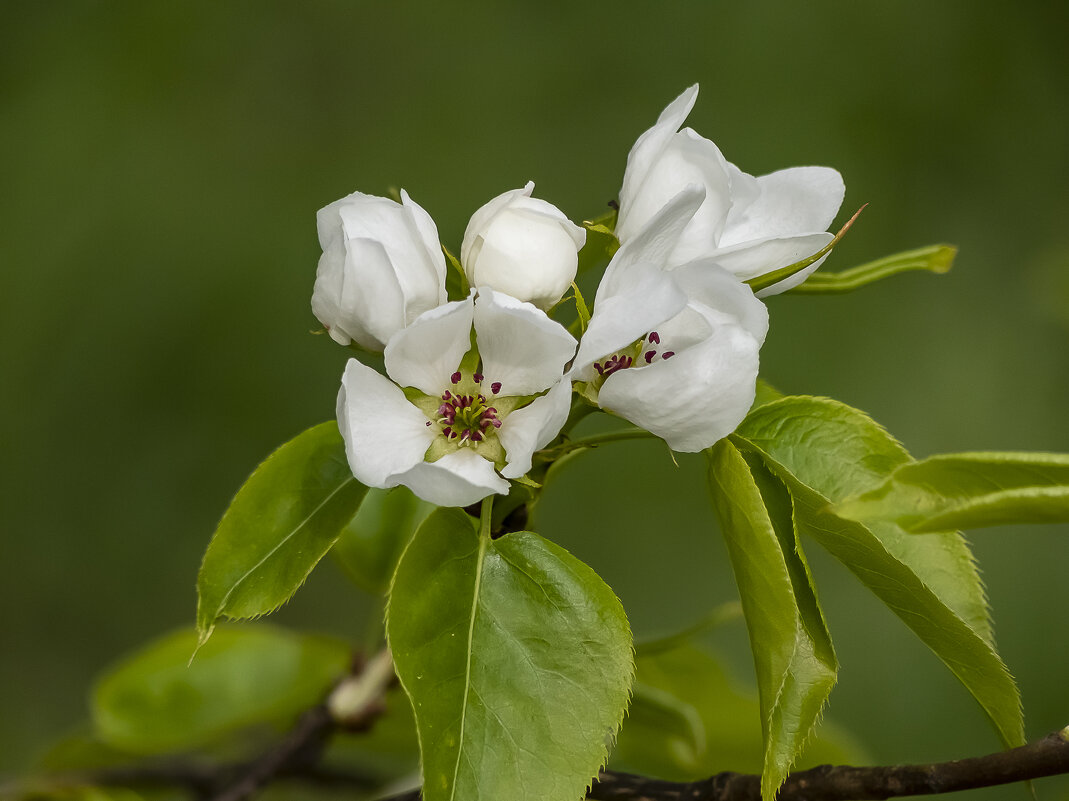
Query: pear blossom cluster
x,y
473,387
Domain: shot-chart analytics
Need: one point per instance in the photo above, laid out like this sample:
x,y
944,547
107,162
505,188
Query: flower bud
x,y
522,246
382,266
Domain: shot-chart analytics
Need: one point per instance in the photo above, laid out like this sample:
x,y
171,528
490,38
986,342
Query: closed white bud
x,y
382,266
522,246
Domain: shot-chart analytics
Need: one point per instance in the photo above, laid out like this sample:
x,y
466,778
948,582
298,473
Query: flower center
x,y
467,419
641,352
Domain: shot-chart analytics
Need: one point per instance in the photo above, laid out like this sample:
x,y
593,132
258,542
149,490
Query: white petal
x,y
519,345
652,245
646,150
794,201
481,219
534,426
760,257
427,353
384,434
371,295
694,399
326,298
650,297
687,159
328,218
794,280
708,285
429,290
460,478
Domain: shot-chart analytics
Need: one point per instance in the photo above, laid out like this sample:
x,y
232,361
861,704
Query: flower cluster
x,y
473,387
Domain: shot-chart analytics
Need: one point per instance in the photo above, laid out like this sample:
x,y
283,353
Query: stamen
x,y
654,337
455,378
648,355
478,378
495,387
466,419
668,354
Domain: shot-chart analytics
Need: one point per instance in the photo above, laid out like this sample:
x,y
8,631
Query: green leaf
x,y
156,701
581,308
371,543
694,691
793,656
759,282
601,243
517,660
838,452
765,393
824,452
717,616
968,490
280,524
456,280
934,258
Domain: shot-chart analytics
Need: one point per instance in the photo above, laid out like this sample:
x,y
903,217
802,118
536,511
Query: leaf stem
x,y
593,441
485,516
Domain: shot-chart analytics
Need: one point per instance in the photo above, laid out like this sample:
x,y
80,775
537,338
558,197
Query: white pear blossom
x,y
748,226
453,423
674,349
382,266
522,246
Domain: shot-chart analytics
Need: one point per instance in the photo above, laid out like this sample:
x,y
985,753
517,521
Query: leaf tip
x,y
943,259
203,633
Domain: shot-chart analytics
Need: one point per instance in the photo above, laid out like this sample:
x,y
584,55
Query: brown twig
x,y
1046,757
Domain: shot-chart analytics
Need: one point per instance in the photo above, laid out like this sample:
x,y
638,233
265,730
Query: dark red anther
x,y
478,378
668,354
654,337
648,355
455,378
495,387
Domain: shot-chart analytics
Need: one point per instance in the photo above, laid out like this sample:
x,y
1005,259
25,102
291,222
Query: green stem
x,y
485,516
594,440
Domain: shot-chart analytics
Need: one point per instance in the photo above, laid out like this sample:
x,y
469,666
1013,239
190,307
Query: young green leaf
x,y
765,393
968,490
730,721
156,701
757,283
280,524
793,657
839,452
934,258
825,451
371,543
456,280
601,243
517,660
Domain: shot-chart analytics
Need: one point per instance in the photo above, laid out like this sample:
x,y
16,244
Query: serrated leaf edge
x,y
204,632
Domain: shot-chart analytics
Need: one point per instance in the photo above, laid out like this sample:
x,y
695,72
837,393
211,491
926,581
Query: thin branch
x,y
301,748
294,759
1046,757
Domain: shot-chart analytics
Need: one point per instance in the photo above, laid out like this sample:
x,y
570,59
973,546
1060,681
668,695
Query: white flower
x,y
675,351
748,226
522,246
465,421
382,266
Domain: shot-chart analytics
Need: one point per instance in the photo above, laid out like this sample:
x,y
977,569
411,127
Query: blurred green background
x,y
160,169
